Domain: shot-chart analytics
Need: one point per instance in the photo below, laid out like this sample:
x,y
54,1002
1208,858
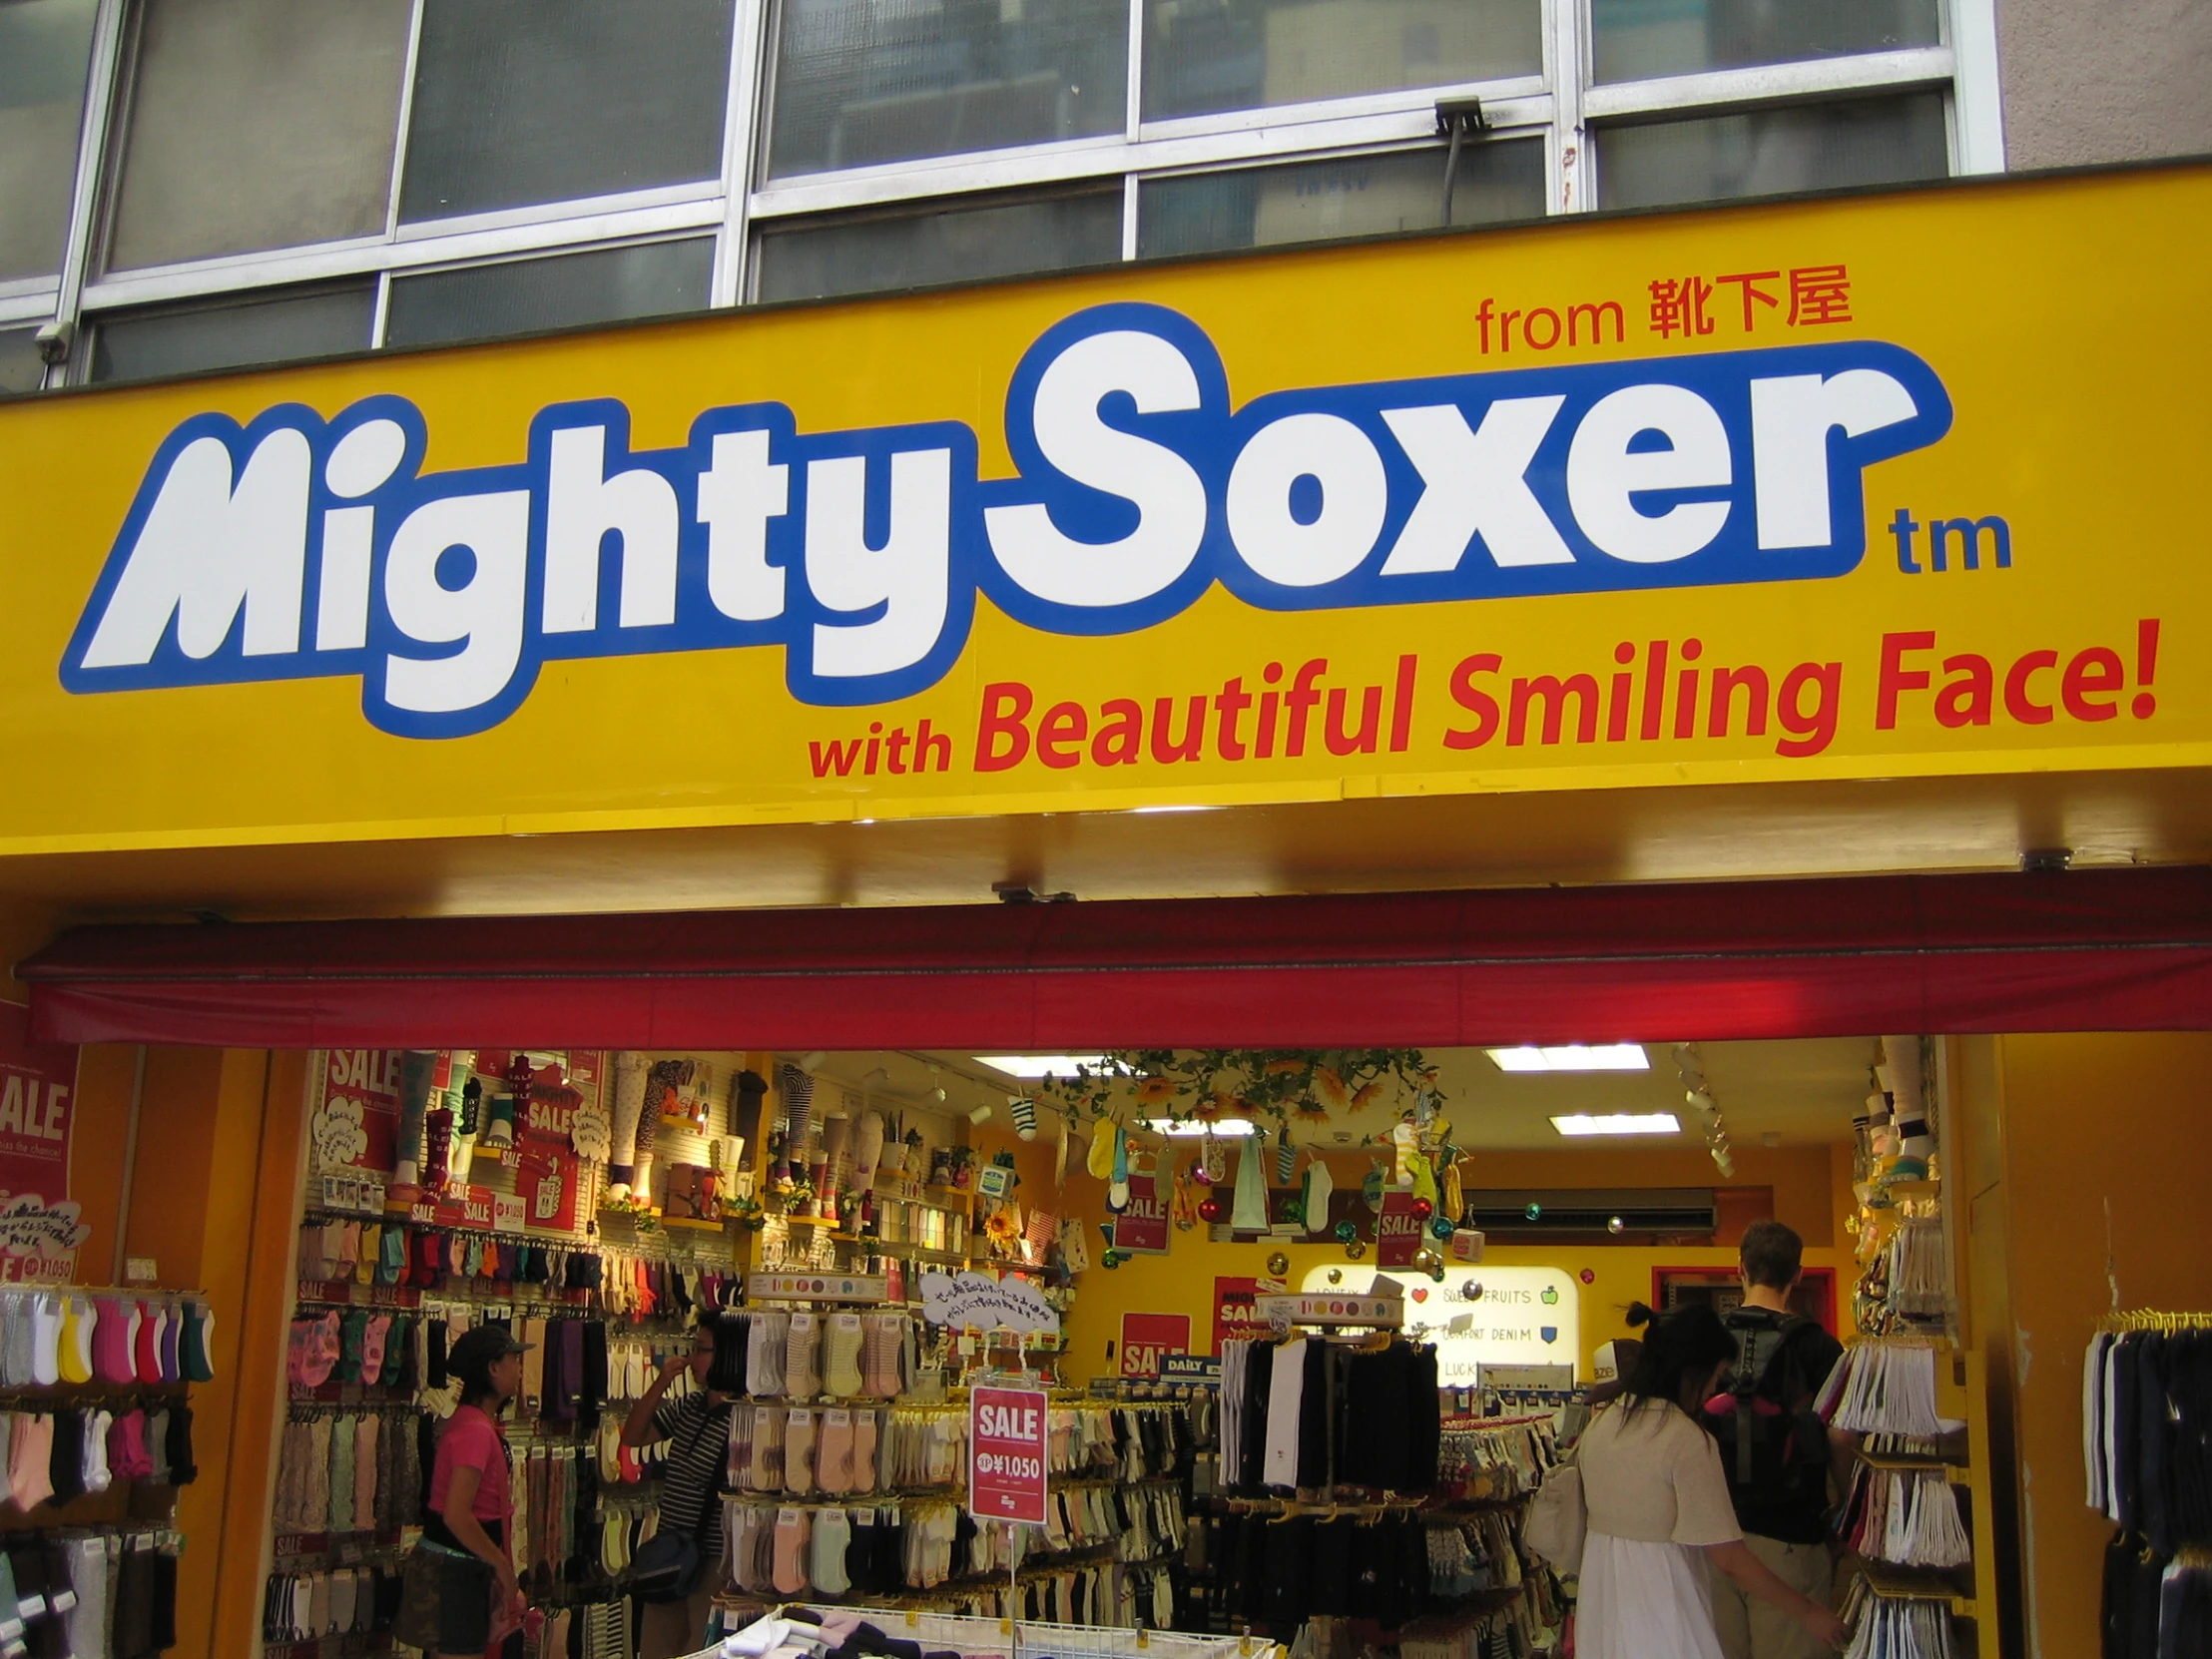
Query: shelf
x,y
689,1225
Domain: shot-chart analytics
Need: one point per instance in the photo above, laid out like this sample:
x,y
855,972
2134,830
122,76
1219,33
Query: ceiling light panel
x,y
1572,1057
1618,1123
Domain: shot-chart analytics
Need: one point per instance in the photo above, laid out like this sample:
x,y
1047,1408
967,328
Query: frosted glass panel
x,y
258,124
568,292
1203,56
20,368
1867,141
859,81
281,328
1362,196
1637,39
914,249
45,54
525,101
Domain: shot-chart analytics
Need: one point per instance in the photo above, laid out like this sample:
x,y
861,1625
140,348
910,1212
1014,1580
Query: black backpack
x,y
1773,1452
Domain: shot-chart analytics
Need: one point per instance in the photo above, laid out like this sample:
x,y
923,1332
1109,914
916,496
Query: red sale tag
x,y
1006,1454
1147,1339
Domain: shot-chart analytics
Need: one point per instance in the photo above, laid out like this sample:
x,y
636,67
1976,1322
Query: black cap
x,y
483,1345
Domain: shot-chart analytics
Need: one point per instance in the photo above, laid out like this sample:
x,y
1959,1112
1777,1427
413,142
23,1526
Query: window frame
x,y
1561,105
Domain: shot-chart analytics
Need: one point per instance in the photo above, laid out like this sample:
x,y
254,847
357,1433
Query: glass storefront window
x,y
1206,56
1859,141
280,327
45,57
518,102
1358,196
943,245
858,82
569,290
258,124
1634,40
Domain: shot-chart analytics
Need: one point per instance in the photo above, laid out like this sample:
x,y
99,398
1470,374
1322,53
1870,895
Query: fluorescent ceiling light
x,y
1041,1065
1574,1057
1618,1123
1228,1128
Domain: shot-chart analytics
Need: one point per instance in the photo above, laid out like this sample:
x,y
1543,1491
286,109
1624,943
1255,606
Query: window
x,y
943,245
271,329
282,179
20,366
1202,55
859,81
1632,40
1869,141
523,295
1357,197
45,56
255,125
520,102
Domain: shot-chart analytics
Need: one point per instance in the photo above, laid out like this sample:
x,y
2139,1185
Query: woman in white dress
x,y
1659,1507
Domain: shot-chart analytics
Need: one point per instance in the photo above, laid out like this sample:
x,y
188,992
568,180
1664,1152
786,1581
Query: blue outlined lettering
x,y
302,547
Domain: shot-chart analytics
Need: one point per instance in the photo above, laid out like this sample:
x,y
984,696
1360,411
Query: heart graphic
x,y
1420,1292
1550,1295
1549,1333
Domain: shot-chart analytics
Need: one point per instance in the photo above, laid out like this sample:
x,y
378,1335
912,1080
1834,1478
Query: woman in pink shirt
x,y
471,1501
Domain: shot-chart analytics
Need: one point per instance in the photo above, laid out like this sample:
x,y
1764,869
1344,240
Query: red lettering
x,y
1897,678
1475,701
1064,725
2080,681
1966,699
1006,706
2017,703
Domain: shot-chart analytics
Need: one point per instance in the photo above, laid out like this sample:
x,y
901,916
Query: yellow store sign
x,y
1867,487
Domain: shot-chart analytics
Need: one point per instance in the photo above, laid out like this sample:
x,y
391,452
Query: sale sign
x,y
358,1119
1148,1338
1142,1225
1398,1232
1234,1319
39,1226
1006,1454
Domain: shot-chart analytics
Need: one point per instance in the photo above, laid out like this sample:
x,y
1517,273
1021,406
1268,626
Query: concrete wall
x,y
2087,81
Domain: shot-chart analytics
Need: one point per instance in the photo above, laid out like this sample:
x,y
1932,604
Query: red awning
x,y
2125,949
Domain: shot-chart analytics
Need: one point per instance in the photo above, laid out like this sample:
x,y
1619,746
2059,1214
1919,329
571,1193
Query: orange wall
x,y
212,1203
2106,1145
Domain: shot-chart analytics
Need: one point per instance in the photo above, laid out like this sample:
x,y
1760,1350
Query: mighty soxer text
x,y
297,547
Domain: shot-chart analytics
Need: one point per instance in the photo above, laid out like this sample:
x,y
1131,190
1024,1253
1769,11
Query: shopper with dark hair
x,y
1658,1503
466,1570
1774,1449
697,1428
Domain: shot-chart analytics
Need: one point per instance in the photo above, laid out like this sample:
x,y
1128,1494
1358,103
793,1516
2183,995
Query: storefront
x,y
681,694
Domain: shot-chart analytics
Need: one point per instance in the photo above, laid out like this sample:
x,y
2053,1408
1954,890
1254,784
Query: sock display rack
x,y
461,1188
96,1436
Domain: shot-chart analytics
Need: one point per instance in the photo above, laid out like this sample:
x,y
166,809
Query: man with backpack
x,y
1774,1449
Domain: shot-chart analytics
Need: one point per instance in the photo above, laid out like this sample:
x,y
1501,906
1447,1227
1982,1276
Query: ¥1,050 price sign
x,y
1006,1454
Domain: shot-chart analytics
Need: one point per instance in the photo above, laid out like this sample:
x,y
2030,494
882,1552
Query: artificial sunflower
x,y
1001,1228
1157,1091
1328,1083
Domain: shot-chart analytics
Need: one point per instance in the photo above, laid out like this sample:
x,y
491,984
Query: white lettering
x,y
1170,496
1790,417
909,575
1604,475
1354,499
207,552
738,495
582,506
1476,483
486,611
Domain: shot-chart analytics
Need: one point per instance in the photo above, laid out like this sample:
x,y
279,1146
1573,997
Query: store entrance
x,y
852,1242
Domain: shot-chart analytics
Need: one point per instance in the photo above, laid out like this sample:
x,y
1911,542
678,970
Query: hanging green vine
x,y
1208,1084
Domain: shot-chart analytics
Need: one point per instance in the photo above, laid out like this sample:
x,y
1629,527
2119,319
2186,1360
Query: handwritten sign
x,y
40,1229
971,1302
